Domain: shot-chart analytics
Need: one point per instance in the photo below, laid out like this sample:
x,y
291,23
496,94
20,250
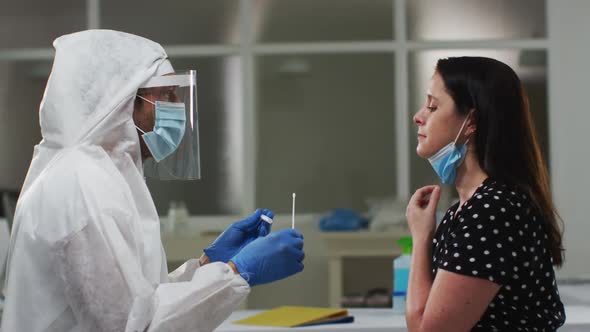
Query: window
x,y
280,21
436,20
325,130
175,21
33,24
309,96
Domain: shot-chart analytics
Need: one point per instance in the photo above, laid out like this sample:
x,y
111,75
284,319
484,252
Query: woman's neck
x,y
469,176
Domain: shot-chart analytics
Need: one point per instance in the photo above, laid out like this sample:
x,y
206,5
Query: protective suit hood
x,y
90,93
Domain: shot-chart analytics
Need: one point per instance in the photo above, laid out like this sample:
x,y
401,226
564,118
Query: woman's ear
x,y
471,124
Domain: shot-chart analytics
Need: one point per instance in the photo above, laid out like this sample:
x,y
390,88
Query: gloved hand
x,y
238,235
271,258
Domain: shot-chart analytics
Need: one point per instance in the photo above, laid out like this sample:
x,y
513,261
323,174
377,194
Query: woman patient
x,y
488,266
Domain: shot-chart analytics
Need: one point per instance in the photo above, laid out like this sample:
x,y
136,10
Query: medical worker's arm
x,y
186,271
107,291
95,288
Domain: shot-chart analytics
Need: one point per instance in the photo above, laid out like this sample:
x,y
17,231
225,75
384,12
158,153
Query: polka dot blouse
x,y
496,236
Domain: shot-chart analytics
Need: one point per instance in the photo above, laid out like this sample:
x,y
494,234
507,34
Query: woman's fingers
x,y
434,197
420,196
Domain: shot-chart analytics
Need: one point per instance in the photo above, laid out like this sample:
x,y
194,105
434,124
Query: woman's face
x,y
438,121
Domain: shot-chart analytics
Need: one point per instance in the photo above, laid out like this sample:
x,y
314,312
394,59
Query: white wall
x,y
569,121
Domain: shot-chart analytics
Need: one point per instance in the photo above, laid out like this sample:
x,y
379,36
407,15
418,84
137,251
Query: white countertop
x,y
382,320
364,320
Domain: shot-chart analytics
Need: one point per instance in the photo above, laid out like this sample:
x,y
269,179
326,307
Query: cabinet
x,y
343,249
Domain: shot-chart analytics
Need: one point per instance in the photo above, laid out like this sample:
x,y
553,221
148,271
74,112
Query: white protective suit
x,y
86,253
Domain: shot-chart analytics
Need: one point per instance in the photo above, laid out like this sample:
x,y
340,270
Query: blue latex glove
x,y
238,235
271,258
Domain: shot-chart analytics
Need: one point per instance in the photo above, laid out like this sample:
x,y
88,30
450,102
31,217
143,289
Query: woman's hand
x,y
421,212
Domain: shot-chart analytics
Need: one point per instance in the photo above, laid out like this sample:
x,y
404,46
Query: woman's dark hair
x,y
505,139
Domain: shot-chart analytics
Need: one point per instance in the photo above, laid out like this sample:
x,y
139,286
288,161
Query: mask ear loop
x,y
143,132
461,130
149,101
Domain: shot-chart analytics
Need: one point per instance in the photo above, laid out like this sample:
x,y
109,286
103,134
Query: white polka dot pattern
x,y
496,236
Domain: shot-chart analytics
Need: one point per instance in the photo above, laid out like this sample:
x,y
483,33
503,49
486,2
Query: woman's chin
x,y
421,153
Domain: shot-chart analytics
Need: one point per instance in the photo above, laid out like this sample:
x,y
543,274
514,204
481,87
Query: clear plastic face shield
x,y
174,141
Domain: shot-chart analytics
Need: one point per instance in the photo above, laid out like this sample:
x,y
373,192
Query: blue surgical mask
x,y
168,129
446,161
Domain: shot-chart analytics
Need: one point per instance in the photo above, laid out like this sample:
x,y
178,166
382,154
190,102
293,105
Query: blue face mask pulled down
x,y
446,161
168,129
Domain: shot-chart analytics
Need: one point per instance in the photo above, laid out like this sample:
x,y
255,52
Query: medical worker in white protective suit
x,y
86,253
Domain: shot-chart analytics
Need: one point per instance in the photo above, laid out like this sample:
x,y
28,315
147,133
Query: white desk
x,y
384,320
374,320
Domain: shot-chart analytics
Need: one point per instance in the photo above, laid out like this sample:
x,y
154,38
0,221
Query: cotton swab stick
x,y
293,213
